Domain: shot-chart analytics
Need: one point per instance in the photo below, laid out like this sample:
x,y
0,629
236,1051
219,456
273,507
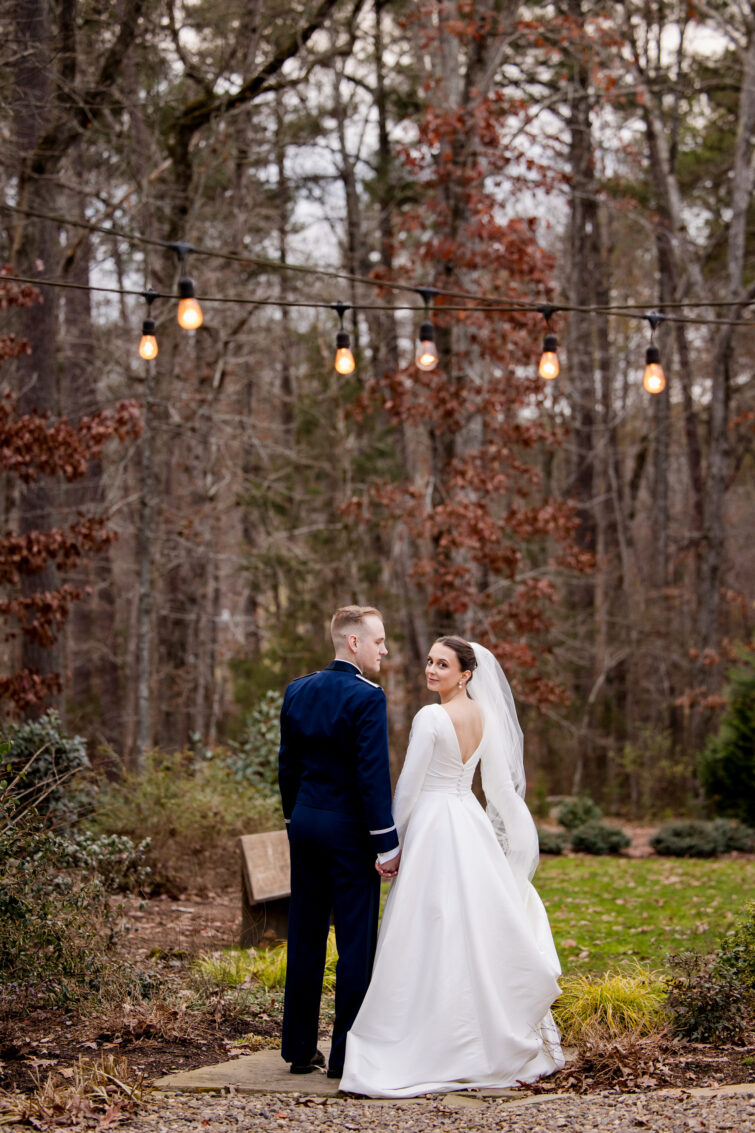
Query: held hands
x,y
389,869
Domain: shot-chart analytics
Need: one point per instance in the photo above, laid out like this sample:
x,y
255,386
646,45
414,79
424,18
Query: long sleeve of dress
x,y
418,755
509,815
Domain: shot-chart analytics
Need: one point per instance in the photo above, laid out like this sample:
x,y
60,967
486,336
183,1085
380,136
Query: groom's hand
x,y
390,869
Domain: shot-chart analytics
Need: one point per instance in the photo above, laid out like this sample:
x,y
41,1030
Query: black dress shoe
x,y
335,1071
316,1062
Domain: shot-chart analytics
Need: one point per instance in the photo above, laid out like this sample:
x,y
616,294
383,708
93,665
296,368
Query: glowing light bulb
x,y
189,312
654,379
344,360
549,368
426,355
148,344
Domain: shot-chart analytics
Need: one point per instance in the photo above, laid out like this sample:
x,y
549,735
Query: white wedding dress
x,y
466,969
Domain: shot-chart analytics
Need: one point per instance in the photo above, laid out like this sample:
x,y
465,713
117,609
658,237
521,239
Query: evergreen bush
x,y
596,837
50,763
254,758
687,839
56,928
727,764
551,841
733,835
576,812
116,860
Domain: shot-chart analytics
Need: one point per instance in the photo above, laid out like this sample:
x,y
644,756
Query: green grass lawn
x,y
608,912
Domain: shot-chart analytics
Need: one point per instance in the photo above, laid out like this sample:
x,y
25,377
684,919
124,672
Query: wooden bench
x,y
265,887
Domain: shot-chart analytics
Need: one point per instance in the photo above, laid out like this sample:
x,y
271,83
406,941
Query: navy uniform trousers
x,y
336,793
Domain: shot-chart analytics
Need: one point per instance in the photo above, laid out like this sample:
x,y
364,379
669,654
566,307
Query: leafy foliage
x,y
47,759
117,861
33,445
706,1001
727,765
56,929
596,837
576,812
550,841
254,758
188,809
737,951
687,839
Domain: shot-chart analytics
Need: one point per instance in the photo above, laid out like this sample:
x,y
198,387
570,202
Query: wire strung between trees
x,y
628,311
484,302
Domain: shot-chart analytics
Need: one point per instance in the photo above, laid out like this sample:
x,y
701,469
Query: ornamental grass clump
x,y
614,1004
235,967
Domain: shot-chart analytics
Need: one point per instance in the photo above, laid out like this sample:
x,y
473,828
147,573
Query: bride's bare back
x,y
467,721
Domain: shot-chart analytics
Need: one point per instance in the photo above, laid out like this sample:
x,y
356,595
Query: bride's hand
x,y
390,869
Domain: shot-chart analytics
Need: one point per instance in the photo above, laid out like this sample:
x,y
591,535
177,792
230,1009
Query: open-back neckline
x,y
469,758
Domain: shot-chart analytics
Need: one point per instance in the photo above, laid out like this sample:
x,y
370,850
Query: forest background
x,y
178,532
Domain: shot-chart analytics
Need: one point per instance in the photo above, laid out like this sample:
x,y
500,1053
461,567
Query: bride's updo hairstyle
x,y
463,651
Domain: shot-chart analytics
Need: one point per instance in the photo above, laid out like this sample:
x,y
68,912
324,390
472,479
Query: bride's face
x,y
443,671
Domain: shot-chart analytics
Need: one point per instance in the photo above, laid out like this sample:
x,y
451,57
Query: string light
x,y
148,347
548,367
344,360
653,379
190,315
426,354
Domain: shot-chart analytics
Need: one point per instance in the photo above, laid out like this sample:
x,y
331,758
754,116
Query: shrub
x,y
551,841
609,1005
727,765
118,862
732,834
254,758
47,760
706,1001
597,838
190,812
737,951
687,839
576,812
56,931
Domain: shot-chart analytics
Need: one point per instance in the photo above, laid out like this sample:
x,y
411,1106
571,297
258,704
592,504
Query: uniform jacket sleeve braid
x,y
373,771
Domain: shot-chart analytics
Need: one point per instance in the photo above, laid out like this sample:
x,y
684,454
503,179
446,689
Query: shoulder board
x,y
304,677
359,677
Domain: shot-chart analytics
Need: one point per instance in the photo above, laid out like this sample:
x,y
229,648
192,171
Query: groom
x,y
334,777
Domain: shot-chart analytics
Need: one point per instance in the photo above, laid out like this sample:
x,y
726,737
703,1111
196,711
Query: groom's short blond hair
x,y
348,619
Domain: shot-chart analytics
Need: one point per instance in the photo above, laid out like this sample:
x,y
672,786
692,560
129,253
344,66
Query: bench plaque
x,y
265,887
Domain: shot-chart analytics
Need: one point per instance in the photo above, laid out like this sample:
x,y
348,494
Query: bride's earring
x,y
461,684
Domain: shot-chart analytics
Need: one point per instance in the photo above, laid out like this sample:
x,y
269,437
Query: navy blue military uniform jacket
x,y
334,749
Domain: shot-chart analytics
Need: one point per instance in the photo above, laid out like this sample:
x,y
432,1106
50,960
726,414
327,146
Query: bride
x,y
466,970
